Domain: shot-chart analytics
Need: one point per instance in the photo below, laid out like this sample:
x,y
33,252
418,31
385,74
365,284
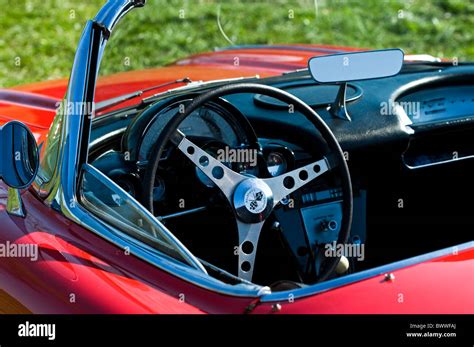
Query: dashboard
x,y
442,104
386,151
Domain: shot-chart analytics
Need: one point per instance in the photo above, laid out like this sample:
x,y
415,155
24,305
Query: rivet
x,y
276,308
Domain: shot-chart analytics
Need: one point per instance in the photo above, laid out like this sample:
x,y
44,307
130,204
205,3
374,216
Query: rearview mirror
x,y
19,158
356,66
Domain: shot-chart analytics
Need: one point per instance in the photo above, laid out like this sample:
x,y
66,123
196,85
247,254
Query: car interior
x,y
410,170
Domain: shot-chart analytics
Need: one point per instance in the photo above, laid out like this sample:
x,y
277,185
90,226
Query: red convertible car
x,y
253,179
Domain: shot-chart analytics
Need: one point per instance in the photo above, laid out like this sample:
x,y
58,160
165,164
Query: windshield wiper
x,y
101,106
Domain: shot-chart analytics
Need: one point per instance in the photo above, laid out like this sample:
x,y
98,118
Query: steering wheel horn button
x,y
253,200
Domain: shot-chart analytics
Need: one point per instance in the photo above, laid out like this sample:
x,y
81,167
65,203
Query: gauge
x,y
276,164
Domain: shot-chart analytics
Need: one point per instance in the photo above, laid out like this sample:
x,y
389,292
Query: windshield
x,y
46,37
168,31
107,201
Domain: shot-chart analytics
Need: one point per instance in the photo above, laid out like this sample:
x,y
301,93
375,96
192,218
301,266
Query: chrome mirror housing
x,y
19,153
19,162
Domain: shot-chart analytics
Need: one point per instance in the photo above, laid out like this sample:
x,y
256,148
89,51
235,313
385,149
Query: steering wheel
x,y
253,199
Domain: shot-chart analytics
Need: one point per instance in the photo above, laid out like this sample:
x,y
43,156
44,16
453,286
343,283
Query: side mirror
x,y
19,162
19,153
355,66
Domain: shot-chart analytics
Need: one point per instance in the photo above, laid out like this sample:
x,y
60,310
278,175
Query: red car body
x,y
80,272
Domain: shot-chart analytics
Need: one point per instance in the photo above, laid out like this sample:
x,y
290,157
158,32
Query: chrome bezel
x,y
242,210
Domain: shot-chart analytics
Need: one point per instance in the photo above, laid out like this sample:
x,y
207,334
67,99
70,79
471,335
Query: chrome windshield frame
x,y
61,192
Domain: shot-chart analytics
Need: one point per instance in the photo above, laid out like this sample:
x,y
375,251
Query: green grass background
x,y
38,37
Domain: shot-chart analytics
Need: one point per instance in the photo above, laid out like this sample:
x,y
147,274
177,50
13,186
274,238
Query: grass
x,y
38,38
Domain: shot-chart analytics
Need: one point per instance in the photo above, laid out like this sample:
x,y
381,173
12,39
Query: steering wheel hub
x,y
253,200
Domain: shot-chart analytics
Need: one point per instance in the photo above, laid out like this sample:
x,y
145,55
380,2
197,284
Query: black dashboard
x,y
445,95
401,126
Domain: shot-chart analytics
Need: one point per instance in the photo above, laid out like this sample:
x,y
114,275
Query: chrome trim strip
x,y
363,275
199,84
422,57
436,163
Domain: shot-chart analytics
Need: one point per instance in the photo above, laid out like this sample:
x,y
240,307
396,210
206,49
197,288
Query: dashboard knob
x,y
342,266
328,225
276,226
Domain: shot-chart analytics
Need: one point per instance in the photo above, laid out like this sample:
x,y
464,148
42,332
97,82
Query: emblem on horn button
x,y
255,200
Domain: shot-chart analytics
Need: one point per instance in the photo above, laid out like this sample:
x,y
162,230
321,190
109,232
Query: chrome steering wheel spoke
x,y
248,241
240,194
289,182
253,199
223,177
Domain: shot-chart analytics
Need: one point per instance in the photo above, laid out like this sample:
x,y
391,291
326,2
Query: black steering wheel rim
x,y
338,156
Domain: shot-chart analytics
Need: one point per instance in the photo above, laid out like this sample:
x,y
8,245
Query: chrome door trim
x,y
362,275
